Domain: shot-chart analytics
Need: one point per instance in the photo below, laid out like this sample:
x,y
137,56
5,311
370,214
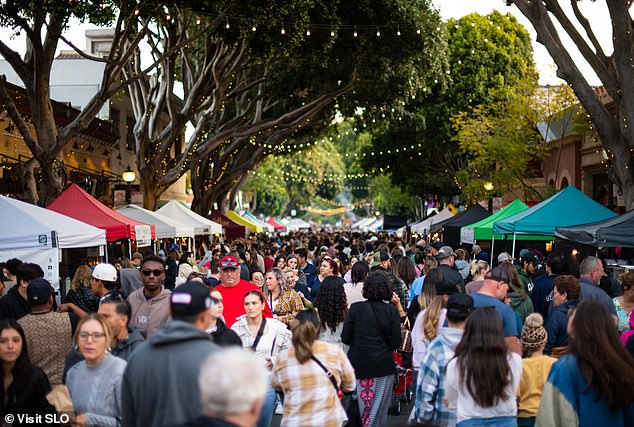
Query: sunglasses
x,y
114,296
228,263
156,273
215,301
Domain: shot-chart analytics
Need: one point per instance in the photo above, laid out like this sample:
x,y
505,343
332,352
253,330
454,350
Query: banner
x,y
47,258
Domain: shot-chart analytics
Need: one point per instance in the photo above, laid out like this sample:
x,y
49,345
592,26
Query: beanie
x,y
533,332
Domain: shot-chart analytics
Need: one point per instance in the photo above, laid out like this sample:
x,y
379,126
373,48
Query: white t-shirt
x,y
466,408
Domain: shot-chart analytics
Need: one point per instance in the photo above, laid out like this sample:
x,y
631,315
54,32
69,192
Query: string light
x,y
227,26
283,30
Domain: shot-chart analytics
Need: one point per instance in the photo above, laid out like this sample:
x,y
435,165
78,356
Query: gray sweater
x,y
96,390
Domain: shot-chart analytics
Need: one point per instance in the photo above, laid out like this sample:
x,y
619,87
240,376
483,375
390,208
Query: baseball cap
x,y
524,252
459,306
445,252
38,291
190,299
137,255
421,243
323,249
228,262
161,253
505,257
530,258
105,272
175,247
475,248
498,274
378,258
437,245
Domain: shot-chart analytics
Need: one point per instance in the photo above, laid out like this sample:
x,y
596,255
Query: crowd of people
x,y
307,325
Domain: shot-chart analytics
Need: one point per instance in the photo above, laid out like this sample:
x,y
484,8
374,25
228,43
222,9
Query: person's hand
x,y
300,294
80,421
269,363
396,300
63,308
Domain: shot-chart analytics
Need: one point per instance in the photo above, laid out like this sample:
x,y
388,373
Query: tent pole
x,y
492,246
130,248
513,254
105,248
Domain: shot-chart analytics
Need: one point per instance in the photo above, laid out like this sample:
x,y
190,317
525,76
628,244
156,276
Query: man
x,y
542,295
159,386
11,269
245,274
233,290
505,257
493,290
49,334
150,304
236,401
478,253
125,339
309,269
381,261
15,305
590,273
137,259
430,386
527,268
104,279
446,259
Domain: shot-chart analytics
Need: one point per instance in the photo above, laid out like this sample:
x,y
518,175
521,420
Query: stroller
x,y
402,392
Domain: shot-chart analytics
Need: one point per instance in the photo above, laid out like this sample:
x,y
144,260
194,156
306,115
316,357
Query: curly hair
x,y
82,278
569,285
377,287
331,302
281,278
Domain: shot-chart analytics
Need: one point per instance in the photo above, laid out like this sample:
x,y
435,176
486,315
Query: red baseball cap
x,y
228,262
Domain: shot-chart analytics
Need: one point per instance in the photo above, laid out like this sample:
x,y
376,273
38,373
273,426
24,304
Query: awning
x,y
166,227
609,233
183,214
253,227
483,229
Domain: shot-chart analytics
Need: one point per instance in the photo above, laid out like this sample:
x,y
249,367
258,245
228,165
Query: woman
x,y
267,337
535,368
433,279
302,374
479,270
372,330
406,271
332,307
284,301
520,301
565,298
417,285
95,383
186,265
292,278
624,303
24,386
257,278
217,328
327,268
592,385
354,290
292,262
483,376
280,262
462,262
80,292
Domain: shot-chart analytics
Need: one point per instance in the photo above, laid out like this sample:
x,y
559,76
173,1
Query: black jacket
x,y
205,421
452,276
13,306
372,330
33,402
224,336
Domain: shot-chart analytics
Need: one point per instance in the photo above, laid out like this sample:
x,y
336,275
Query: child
x,y
535,369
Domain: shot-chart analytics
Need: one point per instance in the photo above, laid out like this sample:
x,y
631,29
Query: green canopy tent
x,y
483,229
566,208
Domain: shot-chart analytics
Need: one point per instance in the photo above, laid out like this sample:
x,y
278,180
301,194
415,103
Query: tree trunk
x,y
152,190
54,178
289,206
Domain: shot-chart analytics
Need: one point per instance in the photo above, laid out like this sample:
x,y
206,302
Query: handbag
x,y
406,338
60,398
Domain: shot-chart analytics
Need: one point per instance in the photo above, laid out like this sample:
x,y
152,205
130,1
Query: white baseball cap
x,y
105,272
505,257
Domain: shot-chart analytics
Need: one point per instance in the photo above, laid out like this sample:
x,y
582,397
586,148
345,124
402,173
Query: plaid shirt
x,y
310,398
430,387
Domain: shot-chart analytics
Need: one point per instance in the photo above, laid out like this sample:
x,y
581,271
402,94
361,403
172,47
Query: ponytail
x,y
305,328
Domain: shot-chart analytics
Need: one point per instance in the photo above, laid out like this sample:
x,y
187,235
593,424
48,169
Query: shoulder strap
x,y
259,334
329,374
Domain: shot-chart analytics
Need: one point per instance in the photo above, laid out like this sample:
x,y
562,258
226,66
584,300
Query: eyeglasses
x,y
327,258
96,336
229,263
156,273
215,301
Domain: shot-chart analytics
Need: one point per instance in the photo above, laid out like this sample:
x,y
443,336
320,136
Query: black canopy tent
x,y
609,233
451,228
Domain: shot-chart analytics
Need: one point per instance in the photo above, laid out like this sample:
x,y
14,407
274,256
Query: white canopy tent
x,y
166,227
36,234
424,226
363,224
175,210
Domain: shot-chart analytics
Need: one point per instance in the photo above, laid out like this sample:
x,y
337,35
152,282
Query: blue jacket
x,y
542,294
567,402
557,325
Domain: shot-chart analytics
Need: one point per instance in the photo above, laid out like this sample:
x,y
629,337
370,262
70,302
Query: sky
x,y
595,11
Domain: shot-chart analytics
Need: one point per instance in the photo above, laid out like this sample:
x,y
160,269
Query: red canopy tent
x,y
276,225
233,230
76,203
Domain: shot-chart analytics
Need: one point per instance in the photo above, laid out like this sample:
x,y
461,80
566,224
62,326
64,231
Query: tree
x,y
43,23
505,142
613,125
486,54
388,198
242,87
